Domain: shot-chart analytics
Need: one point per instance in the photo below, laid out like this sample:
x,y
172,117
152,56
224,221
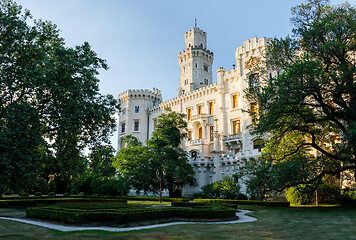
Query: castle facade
x,y
219,137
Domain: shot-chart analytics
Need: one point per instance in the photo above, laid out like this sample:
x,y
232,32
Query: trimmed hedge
x,y
120,216
203,205
30,202
165,199
244,202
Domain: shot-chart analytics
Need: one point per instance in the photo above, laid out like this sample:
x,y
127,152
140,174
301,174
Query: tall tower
x,y
195,62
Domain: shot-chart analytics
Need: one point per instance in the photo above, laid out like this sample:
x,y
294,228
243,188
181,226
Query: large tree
x,y
55,90
309,99
162,160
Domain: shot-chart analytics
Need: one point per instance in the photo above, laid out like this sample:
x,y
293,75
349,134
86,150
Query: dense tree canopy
x,y
309,99
51,91
162,158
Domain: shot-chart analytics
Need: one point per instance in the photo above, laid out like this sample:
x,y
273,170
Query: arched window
x,y
258,144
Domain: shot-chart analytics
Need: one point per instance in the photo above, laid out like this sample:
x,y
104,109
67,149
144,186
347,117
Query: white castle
x,y
219,139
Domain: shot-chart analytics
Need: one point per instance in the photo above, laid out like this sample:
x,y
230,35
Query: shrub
x,y
304,194
66,194
38,194
41,185
94,183
241,196
51,194
244,202
226,188
347,198
24,194
52,186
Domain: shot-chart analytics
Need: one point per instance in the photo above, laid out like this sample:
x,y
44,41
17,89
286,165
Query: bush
x,y
241,196
24,194
52,186
304,194
227,188
38,194
51,194
244,202
41,185
348,198
66,194
94,183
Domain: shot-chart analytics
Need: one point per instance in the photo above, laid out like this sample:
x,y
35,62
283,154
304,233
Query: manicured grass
x,y
273,223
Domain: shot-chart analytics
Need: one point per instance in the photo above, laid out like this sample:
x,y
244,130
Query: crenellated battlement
x,y
251,44
144,94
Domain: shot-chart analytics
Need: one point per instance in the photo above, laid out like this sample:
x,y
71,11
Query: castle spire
x,y
195,26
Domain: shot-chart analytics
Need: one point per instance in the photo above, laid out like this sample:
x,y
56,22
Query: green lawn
x,y
273,223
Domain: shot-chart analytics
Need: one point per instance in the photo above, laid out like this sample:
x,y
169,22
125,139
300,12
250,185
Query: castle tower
x,y
134,118
195,62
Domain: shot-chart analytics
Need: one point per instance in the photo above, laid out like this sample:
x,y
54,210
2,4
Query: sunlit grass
x,y
273,223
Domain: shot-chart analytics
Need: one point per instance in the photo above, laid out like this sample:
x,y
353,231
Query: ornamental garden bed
x,y
115,213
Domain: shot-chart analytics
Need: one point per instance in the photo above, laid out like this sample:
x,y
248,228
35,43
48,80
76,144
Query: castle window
x,y
189,113
211,108
183,69
189,135
186,82
123,125
254,81
236,126
254,117
200,133
136,125
137,109
258,144
200,109
196,65
206,68
234,101
206,81
123,111
154,124
211,133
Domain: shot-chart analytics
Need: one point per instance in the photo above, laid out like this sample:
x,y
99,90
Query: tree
x,y
162,160
101,160
57,85
309,100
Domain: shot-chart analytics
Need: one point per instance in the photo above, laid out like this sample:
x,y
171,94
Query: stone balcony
x,y
196,142
202,116
233,137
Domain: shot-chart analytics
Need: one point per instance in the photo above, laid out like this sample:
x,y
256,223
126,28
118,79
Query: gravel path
x,y
243,218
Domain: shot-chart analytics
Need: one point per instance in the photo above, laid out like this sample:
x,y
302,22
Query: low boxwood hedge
x,y
165,199
122,216
202,204
29,202
244,202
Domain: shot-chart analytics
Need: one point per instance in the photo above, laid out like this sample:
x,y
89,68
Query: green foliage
x,y
308,100
67,194
51,194
244,202
347,198
300,195
162,158
126,215
100,160
94,183
304,194
227,188
38,194
50,105
24,194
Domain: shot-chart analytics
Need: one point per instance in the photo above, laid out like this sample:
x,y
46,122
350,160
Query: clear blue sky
x,y
141,39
